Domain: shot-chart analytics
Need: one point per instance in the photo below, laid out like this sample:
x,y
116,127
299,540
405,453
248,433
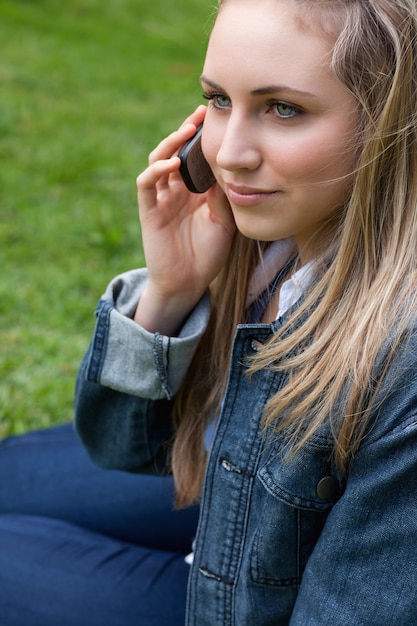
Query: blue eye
x,y
218,100
284,110
221,101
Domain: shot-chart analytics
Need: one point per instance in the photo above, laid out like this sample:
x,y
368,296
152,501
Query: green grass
x,y
87,89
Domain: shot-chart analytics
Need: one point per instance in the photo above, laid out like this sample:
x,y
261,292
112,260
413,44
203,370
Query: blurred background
x,y
87,88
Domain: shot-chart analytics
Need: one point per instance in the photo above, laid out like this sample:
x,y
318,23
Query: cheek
x,y
210,143
316,162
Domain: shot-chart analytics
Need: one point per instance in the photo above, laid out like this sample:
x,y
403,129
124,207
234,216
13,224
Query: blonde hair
x,y
365,296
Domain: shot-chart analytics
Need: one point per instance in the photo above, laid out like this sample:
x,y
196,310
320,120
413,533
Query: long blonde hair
x,y
365,295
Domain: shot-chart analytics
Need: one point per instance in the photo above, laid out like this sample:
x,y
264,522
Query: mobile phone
x,y
194,169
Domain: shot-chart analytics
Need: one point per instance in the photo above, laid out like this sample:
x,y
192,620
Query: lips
x,y
248,196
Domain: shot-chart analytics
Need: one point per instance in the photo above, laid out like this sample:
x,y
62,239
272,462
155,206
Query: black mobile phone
x,y
194,169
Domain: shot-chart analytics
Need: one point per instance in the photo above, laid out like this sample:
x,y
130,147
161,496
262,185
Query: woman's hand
x,y
186,236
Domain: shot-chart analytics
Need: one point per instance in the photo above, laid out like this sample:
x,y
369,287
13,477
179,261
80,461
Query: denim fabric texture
x,y
82,546
118,341
279,541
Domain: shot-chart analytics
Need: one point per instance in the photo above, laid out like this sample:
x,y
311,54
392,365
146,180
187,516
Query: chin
x,y
255,224
260,234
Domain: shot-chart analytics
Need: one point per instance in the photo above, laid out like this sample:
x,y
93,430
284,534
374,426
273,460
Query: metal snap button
x,y
327,488
256,345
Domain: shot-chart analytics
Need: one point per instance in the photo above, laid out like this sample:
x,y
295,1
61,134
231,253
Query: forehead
x,y
268,38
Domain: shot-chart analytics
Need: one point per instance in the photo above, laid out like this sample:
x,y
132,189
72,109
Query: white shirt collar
x,y
293,288
276,256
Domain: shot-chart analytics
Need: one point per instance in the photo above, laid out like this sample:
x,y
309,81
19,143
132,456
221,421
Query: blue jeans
x,y
82,546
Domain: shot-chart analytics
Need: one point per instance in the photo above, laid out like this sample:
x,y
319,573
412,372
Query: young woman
x,y
267,355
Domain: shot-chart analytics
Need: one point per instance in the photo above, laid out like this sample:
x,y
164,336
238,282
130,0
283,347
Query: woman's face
x,y
279,129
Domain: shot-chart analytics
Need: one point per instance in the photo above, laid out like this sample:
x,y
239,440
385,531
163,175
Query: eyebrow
x,y
263,91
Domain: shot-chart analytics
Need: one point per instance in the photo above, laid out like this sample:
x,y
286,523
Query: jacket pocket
x,y
295,497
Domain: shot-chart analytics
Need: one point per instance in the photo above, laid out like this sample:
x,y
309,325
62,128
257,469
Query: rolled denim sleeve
x,y
126,357
127,380
363,569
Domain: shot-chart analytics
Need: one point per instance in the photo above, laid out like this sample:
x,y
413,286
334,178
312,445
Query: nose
x,y
239,148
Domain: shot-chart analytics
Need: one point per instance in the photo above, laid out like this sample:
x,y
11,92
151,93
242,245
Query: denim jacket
x,y
279,541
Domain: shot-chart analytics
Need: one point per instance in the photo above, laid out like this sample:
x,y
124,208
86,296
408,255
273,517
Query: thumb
x,y
220,210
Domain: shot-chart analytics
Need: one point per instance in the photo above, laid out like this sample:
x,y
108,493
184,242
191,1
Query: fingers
x,y
171,144
220,210
197,117
155,174
163,160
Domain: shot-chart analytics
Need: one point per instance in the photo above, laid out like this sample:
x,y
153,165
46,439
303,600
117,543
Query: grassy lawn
x,y
87,89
